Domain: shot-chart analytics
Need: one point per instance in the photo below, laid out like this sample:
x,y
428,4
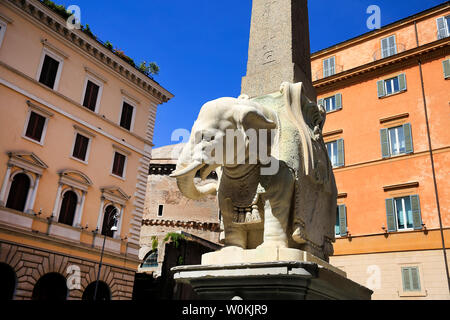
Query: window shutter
x,y
332,66
415,279
415,208
390,213
326,67
446,64
392,46
402,82
338,101
408,138
384,48
442,30
406,279
342,220
341,156
385,143
381,89
320,102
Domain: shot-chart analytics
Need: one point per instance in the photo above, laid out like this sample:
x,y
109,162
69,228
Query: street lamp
x,y
114,216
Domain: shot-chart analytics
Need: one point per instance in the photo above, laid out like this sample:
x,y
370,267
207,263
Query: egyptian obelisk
x,y
279,48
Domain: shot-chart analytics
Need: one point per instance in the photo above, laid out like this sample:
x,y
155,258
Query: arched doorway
x,y
109,221
8,282
103,292
18,192
68,208
50,287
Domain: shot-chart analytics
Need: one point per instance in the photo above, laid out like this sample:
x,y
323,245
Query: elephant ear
x,y
251,117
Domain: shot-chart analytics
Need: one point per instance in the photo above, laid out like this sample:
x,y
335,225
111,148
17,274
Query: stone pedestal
x,y
307,278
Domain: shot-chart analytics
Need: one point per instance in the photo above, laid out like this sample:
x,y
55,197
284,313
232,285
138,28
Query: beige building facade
x,y
77,128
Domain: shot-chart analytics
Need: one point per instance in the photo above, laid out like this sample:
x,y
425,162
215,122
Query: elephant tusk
x,y
183,172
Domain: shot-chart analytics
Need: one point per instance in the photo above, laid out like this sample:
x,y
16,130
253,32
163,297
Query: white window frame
x,y
393,87
61,198
335,150
395,46
44,130
133,116
100,84
325,75
88,151
4,25
124,174
398,140
118,212
60,59
446,24
423,292
333,107
405,215
30,176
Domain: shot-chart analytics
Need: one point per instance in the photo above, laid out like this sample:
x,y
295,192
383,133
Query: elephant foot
x,y
273,244
298,237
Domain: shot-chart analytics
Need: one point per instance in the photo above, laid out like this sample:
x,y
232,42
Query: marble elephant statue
x,y
264,151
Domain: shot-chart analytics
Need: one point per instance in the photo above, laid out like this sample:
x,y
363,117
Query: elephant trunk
x,y
185,175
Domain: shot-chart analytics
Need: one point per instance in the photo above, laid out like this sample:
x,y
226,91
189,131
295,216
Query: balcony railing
x,y
320,74
378,54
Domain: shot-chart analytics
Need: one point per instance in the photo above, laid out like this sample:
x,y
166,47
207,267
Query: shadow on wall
x,y
165,288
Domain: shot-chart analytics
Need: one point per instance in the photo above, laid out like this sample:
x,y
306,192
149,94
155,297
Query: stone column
x,y
5,185
119,223
30,206
80,207
279,48
58,197
100,214
29,194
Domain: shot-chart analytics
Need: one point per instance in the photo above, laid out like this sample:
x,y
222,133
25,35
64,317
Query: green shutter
x,y
402,82
381,89
320,102
446,64
341,155
442,30
390,214
385,143
415,208
408,138
415,279
338,101
407,286
342,209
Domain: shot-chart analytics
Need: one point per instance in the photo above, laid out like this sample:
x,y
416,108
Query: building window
x,y
126,118
388,47
391,86
118,168
109,221
160,210
91,95
35,126
50,70
403,213
2,31
80,147
68,208
411,279
336,153
150,260
446,65
18,193
332,103
329,67
341,221
443,25
396,141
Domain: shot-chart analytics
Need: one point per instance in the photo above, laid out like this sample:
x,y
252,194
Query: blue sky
x,y
201,45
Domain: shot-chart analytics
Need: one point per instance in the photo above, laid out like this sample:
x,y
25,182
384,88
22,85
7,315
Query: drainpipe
x,y
432,162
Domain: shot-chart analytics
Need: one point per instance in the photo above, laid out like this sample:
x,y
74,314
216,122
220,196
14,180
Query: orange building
x,y
77,127
387,94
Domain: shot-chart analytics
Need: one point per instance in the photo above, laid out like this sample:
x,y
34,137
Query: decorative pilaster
x,y
5,185
30,206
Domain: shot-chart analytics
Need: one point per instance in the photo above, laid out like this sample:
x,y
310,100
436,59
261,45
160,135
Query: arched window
x,y
109,221
50,287
18,193
103,292
150,260
8,282
68,208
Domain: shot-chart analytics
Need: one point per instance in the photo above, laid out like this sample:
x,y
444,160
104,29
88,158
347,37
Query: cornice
x,y
34,9
384,64
210,226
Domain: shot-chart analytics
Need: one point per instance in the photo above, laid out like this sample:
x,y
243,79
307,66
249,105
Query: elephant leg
x,y
275,227
236,237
